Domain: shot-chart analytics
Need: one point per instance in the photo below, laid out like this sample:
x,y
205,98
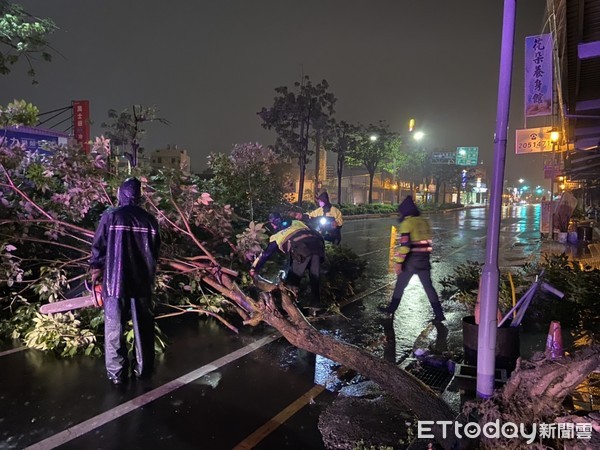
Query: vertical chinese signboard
x,y
538,75
546,218
81,123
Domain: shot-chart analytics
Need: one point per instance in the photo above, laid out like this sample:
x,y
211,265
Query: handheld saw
x,y
93,299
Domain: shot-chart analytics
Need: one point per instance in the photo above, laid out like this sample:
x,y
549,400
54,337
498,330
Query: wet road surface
x,y
216,390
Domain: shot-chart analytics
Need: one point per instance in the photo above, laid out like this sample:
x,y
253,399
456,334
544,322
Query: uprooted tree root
x,y
535,393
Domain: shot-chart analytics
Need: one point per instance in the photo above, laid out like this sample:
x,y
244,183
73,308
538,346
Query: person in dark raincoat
x,y
125,254
413,257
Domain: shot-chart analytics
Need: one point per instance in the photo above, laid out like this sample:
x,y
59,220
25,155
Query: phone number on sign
x,y
534,144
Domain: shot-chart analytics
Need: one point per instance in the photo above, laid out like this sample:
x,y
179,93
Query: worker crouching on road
x,y
304,248
413,256
125,254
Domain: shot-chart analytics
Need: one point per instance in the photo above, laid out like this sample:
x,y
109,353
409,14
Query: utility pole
x,y
490,277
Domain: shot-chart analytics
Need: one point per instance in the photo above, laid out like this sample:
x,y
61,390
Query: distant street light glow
x,y
419,135
373,138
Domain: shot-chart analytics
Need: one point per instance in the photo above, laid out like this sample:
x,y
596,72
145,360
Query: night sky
x,y
209,66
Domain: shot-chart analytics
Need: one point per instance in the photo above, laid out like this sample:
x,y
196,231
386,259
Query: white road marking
x,y
102,419
12,350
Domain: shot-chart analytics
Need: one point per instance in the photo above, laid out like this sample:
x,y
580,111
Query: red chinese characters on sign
x,y
81,123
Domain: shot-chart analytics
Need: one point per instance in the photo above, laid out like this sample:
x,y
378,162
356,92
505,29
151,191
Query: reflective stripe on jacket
x,y
284,240
126,246
414,235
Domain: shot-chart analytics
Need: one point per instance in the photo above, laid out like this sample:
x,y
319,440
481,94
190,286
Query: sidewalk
x,y
575,250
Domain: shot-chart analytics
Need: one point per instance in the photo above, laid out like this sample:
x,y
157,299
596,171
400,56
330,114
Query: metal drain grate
x,y
437,378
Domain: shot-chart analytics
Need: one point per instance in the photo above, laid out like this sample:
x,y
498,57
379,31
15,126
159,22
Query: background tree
x,y
251,179
374,146
125,128
342,140
413,166
469,182
444,176
295,116
395,162
22,35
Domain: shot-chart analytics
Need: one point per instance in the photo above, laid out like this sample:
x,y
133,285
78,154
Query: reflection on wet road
x,y
459,236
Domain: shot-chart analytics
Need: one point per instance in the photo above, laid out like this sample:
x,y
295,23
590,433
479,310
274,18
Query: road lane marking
x,y
366,294
374,251
12,350
107,416
279,419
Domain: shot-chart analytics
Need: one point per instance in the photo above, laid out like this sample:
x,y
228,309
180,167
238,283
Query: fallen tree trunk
x,y
406,389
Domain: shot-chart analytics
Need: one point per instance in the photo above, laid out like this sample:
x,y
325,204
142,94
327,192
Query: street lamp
x,y
418,135
373,138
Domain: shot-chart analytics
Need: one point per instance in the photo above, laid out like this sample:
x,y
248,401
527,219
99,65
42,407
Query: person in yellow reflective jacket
x,y
331,230
413,257
303,246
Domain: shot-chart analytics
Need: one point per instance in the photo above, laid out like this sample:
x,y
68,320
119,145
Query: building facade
x,y
171,158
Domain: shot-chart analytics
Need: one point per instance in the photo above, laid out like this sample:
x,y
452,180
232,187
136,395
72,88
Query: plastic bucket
x,y
508,344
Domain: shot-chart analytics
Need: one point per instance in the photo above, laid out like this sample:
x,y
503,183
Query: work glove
x,y
95,274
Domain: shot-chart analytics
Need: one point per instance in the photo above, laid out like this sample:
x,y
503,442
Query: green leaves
x,y
251,179
343,269
18,112
22,36
61,334
50,284
251,241
463,285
